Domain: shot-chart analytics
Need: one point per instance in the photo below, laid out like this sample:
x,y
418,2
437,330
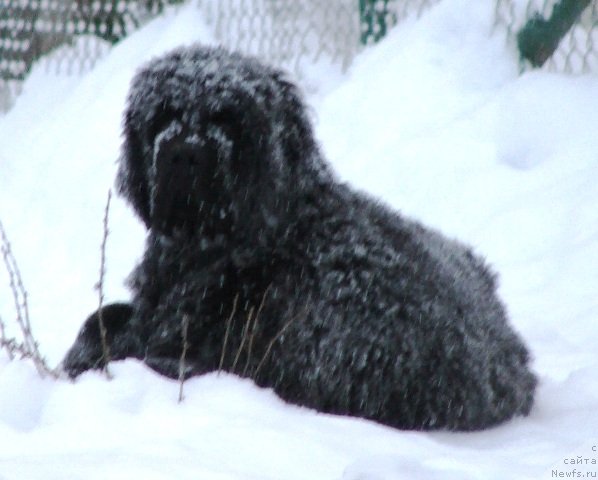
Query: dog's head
x,y
215,143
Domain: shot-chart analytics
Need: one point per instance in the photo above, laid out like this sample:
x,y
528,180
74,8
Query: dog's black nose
x,y
183,174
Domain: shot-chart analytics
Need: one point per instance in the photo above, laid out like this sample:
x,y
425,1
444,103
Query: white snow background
x,y
436,121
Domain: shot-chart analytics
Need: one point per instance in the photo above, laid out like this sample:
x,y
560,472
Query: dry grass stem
x,y
100,289
273,341
227,332
29,347
244,336
184,334
254,329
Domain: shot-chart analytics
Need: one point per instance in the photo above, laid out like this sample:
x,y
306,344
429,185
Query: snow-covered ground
x,y
437,122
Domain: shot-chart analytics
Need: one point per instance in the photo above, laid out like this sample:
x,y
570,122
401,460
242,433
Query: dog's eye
x,y
162,118
203,155
223,117
226,121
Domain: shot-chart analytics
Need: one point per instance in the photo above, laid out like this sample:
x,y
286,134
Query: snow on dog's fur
x,y
287,276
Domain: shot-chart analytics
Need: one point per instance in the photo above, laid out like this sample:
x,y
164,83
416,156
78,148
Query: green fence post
x,y
374,17
539,39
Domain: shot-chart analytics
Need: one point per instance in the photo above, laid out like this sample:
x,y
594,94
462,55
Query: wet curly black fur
x,y
288,276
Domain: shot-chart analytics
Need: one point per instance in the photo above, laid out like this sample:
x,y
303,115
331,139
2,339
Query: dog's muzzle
x,y
181,181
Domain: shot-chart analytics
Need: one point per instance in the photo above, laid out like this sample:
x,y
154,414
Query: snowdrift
x,y
436,121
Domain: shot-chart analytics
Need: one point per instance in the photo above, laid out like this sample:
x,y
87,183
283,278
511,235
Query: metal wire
x,y
284,32
577,50
79,31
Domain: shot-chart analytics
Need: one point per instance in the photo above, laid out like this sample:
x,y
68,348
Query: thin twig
x,y
254,329
244,335
29,348
226,334
100,288
9,345
184,331
274,339
14,348
4,342
18,291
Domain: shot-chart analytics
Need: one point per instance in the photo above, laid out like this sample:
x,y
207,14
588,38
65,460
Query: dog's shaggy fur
x,y
283,274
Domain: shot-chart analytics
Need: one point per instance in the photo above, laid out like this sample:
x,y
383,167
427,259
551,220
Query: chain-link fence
x,y
559,33
284,32
29,29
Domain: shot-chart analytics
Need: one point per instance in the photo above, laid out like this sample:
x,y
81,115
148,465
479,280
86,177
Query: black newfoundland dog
x,y
272,269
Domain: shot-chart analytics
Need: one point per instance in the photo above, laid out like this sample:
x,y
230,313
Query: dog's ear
x,y
275,160
257,178
297,138
131,180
